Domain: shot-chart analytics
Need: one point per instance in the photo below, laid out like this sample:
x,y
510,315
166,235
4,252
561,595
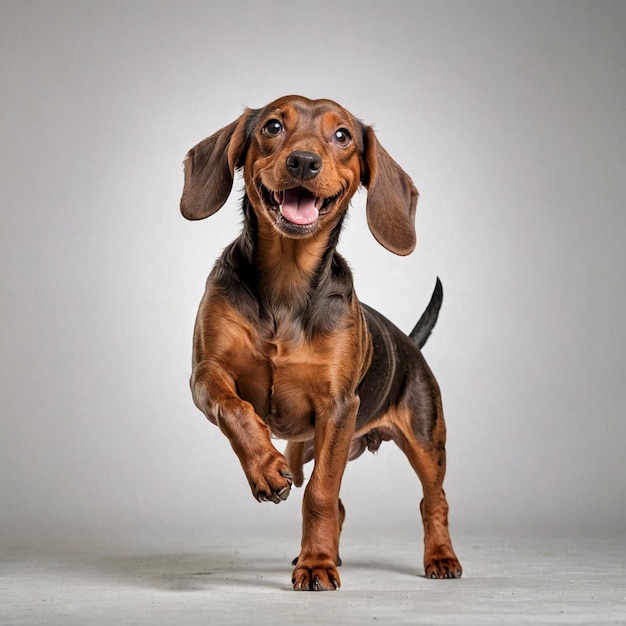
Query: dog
x,y
283,348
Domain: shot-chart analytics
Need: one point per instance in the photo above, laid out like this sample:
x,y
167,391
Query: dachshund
x,y
283,348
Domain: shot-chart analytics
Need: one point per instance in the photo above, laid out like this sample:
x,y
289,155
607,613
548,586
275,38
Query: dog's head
x,y
302,162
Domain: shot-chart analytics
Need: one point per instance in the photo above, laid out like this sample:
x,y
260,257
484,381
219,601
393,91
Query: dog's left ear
x,y
210,167
391,197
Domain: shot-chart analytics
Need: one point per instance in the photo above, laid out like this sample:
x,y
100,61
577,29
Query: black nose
x,y
304,165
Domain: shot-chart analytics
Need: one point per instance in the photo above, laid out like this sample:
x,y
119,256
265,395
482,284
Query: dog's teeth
x,y
278,196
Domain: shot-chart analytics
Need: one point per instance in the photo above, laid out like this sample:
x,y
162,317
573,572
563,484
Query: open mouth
x,y
297,206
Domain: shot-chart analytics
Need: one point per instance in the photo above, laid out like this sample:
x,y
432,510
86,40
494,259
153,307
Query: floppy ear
x,y
391,197
209,170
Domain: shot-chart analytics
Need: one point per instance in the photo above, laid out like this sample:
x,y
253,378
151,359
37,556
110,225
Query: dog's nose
x,y
304,165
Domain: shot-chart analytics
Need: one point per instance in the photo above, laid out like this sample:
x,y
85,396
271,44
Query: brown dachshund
x,y
282,346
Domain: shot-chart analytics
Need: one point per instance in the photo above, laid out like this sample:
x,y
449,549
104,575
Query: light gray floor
x,y
512,578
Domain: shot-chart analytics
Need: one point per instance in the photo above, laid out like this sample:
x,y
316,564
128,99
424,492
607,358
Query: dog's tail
x,y
427,321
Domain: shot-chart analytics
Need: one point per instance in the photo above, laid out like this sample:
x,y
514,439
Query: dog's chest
x,y
293,372
296,376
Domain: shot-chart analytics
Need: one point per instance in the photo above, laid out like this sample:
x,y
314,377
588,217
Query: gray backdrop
x,y
510,117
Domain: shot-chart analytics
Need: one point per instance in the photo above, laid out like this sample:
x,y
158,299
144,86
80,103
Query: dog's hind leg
x,y
428,459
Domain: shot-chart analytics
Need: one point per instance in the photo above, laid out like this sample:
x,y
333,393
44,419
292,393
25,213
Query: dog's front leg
x,y
316,566
266,469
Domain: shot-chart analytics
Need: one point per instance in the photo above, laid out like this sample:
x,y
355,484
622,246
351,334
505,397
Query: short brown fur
x,y
283,347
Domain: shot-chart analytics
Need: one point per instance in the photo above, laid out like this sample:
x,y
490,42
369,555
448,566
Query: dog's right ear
x,y
210,167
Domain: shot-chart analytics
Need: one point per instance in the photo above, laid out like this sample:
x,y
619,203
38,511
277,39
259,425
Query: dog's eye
x,y
342,137
272,128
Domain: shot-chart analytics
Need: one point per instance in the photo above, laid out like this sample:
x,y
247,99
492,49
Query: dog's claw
x,y
446,568
323,578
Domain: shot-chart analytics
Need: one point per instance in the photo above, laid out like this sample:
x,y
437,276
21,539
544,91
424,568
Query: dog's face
x,y
303,163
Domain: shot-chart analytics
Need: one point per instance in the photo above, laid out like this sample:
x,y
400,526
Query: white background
x,y
511,119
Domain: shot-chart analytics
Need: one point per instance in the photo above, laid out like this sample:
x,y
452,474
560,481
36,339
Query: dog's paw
x,y
443,567
322,577
279,495
273,481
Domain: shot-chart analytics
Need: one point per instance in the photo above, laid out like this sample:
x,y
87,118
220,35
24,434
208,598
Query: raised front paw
x,y
271,481
310,576
443,567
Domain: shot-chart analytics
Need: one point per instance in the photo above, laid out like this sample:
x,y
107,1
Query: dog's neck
x,y
288,269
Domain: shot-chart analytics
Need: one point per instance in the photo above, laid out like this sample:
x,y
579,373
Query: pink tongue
x,y
298,206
